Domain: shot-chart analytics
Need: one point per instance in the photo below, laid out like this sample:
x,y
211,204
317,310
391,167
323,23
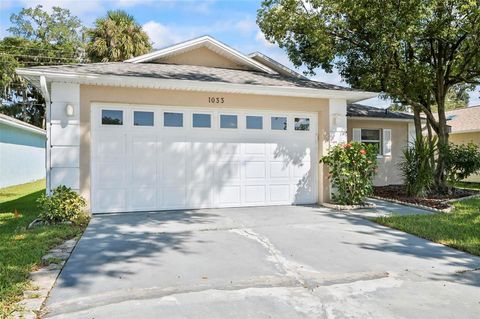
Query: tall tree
x,y
117,37
37,38
414,50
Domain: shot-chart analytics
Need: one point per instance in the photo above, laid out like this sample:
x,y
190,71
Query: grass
x,y
459,229
468,185
21,249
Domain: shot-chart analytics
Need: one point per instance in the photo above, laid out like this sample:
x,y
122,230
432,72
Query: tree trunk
x,y
442,133
418,123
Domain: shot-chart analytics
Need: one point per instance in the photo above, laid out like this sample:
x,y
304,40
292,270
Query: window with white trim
x,y
228,121
171,119
112,117
372,137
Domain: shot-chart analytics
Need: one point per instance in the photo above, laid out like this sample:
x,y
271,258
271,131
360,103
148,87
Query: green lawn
x,y
459,229
21,249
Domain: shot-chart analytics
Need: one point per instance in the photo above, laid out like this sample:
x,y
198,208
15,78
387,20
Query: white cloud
x,y
245,26
162,35
76,7
260,37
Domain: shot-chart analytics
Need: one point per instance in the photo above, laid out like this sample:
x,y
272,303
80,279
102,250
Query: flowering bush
x,y
352,167
63,205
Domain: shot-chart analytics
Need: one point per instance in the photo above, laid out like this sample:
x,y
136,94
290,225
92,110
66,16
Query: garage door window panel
x,y
112,117
302,124
254,122
143,118
279,123
228,121
171,119
201,120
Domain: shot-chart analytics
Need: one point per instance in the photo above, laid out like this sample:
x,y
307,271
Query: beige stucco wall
x,y
388,171
204,57
91,94
465,138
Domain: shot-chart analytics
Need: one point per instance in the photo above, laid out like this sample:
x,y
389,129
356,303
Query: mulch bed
x,y
437,201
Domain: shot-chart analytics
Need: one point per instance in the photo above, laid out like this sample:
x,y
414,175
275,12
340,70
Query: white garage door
x,y
155,158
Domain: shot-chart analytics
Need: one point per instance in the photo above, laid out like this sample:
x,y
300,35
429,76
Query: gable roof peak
x,y
208,42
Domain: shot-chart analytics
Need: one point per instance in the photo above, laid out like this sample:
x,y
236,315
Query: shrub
x,y
61,206
461,161
417,169
352,167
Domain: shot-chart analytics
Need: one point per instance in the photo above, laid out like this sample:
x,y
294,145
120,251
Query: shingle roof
x,y
465,119
189,72
359,110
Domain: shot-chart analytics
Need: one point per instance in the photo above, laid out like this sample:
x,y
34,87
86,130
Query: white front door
x,y
158,158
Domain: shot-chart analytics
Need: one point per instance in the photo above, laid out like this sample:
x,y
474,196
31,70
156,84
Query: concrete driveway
x,y
270,262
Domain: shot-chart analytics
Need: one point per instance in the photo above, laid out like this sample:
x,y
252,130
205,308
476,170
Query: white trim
x,y
23,126
199,86
379,119
48,126
204,41
465,131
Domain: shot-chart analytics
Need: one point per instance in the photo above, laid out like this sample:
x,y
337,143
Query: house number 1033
x,y
216,100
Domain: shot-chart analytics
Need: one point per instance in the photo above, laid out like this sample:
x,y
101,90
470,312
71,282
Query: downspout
x,y
46,95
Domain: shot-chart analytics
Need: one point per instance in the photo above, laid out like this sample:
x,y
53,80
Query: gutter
x,y
199,86
22,126
48,116
380,119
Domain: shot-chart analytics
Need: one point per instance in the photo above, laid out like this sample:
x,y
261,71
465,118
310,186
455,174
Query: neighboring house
x,y
22,152
465,128
200,124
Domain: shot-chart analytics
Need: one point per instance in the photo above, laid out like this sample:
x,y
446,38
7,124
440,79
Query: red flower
x,y
363,152
348,145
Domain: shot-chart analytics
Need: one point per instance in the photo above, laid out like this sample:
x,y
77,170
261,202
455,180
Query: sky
x,y
171,21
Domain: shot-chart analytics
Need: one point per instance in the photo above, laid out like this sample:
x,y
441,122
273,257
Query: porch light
x,y
69,110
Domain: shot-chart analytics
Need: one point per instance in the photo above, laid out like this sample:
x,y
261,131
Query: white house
x,y
22,152
199,124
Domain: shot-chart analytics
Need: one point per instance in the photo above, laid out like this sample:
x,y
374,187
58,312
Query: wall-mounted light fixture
x,y
69,110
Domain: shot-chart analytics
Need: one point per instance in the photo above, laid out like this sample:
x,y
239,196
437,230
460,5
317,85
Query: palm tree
x,y
116,37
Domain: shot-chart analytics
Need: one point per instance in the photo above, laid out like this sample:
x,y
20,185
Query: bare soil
x,y
438,201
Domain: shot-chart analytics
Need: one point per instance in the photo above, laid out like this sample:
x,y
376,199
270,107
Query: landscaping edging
x,y
348,207
44,279
462,198
435,210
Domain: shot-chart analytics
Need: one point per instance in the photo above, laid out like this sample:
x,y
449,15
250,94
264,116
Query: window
x,y
372,136
112,117
141,118
172,119
279,123
254,122
201,120
302,124
228,121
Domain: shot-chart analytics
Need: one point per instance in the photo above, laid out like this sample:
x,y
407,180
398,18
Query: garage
x,y
159,158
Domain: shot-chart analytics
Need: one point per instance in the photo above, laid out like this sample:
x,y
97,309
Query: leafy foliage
x,y
116,37
417,169
415,50
352,167
38,38
463,160
61,206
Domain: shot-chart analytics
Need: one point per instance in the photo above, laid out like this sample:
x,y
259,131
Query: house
x,y
465,128
22,152
199,124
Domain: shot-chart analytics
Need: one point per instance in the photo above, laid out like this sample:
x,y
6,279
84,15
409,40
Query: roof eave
x,y
23,126
477,130
189,85
372,118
